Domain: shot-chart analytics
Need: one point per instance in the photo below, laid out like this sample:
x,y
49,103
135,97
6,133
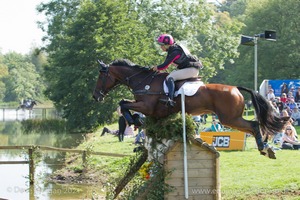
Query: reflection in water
x,y
16,184
9,114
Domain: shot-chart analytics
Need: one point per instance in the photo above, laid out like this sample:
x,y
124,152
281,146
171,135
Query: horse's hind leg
x,y
257,135
253,128
262,144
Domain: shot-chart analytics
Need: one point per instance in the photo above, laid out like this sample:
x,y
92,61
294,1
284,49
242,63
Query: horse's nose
x,y
96,99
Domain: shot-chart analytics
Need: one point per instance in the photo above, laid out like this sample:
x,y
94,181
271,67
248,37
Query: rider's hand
x,y
154,68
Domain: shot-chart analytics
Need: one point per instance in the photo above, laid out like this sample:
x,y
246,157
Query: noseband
x,y
103,91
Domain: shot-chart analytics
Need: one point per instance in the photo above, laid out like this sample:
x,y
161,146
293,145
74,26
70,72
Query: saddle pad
x,y
190,88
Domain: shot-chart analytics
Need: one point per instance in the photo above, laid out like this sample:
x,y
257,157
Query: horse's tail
x,y
269,122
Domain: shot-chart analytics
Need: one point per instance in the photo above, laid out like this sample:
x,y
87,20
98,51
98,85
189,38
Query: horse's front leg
x,y
127,105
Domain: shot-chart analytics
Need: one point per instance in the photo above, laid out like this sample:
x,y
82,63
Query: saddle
x,y
178,84
190,86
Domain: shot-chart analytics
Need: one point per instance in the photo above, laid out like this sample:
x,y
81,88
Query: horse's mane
x,y
127,63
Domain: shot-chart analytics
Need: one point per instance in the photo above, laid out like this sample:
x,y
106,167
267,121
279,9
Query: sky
x,y
18,28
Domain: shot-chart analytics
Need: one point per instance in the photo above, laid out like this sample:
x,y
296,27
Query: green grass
x,y
107,165
244,174
247,174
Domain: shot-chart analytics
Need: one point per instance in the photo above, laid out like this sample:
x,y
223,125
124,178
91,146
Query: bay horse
x,y
224,100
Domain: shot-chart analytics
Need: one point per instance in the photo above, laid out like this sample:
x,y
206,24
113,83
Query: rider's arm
x,y
170,58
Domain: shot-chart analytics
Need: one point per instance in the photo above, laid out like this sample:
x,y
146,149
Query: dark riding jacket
x,y
182,57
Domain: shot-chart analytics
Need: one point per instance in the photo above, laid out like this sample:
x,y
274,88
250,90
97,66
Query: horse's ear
x,y
103,66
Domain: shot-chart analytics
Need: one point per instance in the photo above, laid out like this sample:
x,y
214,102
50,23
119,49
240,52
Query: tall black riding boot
x,y
171,87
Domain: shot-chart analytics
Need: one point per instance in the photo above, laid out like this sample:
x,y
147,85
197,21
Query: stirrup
x,y
168,102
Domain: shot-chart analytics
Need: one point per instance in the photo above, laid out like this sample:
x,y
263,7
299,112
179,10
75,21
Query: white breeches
x,y
185,73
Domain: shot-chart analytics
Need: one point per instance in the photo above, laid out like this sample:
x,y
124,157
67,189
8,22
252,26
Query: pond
x,y
14,177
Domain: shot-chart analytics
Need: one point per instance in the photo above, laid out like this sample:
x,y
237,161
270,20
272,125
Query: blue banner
x,y
278,86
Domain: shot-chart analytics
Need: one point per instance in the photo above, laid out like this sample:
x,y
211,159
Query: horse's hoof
x,y
268,152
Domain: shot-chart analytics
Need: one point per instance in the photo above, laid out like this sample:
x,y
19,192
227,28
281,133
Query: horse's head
x,y
121,71
104,83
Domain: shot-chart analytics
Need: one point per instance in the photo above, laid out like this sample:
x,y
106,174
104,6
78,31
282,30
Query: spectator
x,y
275,107
129,131
283,98
216,127
107,130
297,95
284,89
292,104
198,120
140,137
280,105
296,116
288,110
292,90
271,95
289,140
285,113
204,117
122,125
290,97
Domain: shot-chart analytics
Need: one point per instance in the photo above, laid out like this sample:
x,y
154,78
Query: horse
x,y
26,106
226,101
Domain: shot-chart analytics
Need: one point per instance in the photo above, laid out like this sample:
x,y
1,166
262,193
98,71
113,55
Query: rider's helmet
x,y
165,39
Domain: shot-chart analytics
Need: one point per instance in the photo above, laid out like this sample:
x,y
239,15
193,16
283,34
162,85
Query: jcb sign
x,y
225,140
221,141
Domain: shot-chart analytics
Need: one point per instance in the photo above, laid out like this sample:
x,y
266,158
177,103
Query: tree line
x,y
21,76
77,33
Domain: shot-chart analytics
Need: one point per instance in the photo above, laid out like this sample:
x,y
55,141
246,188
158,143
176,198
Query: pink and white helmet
x,y
165,39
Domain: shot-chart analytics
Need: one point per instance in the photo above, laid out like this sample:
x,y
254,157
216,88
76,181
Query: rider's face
x,y
164,47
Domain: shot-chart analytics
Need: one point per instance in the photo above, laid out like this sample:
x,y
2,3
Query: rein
x,y
151,74
140,92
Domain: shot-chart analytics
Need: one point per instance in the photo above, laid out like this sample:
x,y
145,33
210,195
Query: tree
x,y
208,33
22,79
80,32
276,60
90,30
3,74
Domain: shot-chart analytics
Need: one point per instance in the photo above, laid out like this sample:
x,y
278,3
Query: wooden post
x,y
44,116
84,159
31,166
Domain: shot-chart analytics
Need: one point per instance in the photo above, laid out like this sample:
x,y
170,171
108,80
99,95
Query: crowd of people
x,y
286,105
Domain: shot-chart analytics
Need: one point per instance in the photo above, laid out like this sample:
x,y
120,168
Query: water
x,y
14,181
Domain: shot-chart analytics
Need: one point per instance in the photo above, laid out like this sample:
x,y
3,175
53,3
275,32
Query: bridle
x,y
102,92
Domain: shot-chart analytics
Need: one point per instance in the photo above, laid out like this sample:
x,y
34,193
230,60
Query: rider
x,y
187,64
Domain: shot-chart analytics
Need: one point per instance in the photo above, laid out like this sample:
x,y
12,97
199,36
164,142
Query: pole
x,y
186,187
31,166
255,64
